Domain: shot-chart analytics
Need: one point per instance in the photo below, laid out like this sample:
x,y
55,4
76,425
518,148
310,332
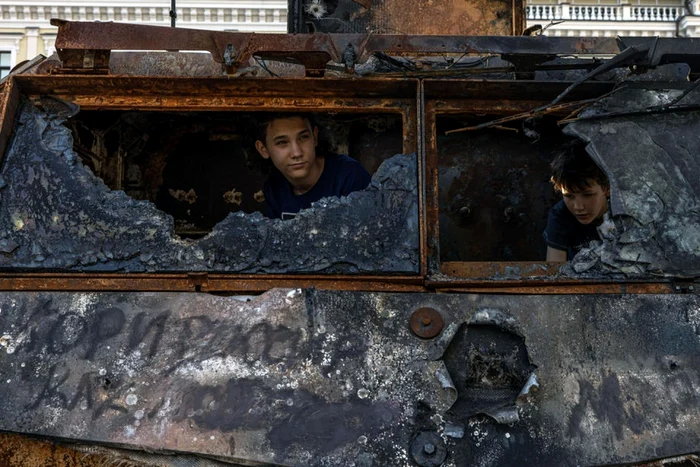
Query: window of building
x,y
5,64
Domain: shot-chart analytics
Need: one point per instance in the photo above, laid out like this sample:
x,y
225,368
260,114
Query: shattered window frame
x,y
396,97
505,99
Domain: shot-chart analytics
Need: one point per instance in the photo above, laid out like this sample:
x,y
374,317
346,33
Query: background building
x,y
664,18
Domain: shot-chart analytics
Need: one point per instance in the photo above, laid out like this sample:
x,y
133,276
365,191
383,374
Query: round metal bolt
x,y
426,323
428,449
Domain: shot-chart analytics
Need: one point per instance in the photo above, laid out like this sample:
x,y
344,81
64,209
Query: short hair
x,y
573,170
264,121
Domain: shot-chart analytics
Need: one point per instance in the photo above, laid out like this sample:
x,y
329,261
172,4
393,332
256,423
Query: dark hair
x,y
573,170
264,120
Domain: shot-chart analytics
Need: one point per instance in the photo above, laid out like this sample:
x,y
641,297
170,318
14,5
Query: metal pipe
x,y
173,13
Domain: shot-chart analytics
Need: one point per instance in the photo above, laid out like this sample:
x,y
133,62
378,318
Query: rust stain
x,y
233,197
186,196
9,103
453,17
586,45
22,451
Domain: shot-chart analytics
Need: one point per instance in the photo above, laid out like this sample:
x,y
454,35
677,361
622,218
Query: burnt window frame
x,y
503,98
398,97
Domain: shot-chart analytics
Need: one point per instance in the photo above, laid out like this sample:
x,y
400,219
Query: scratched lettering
x,y
50,394
142,328
195,329
66,333
108,323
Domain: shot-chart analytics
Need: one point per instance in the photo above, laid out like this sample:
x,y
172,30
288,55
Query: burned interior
x,y
494,186
165,191
200,166
494,192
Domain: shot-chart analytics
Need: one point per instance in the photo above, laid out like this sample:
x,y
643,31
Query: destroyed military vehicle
x,y
151,315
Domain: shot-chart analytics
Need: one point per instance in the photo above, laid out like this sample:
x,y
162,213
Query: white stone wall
x,y
663,18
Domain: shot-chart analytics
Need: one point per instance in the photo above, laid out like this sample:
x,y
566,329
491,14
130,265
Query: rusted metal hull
x,y
23,451
304,377
438,98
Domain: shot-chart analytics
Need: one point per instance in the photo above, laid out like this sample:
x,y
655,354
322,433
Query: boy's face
x,y
290,144
587,205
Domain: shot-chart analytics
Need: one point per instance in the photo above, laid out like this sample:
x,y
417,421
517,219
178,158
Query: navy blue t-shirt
x,y
565,232
341,176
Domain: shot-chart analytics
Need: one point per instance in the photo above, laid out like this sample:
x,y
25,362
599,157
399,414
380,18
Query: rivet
x,y
426,322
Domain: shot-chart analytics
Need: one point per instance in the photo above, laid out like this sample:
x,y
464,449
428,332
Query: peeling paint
x,y
651,163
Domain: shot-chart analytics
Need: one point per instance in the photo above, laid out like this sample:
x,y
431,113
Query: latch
x,y
198,280
87,62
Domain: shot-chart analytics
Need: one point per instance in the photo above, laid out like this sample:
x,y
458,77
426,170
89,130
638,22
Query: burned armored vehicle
x,y
151,315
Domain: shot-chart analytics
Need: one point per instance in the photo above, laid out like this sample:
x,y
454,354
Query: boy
x,y
302,175
573,221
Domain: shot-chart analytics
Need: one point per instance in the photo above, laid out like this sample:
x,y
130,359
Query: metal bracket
x,y
683,287
76,43
230,55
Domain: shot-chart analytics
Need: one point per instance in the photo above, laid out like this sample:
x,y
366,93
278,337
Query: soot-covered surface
x,y
56,215
652,161
494,195
304,377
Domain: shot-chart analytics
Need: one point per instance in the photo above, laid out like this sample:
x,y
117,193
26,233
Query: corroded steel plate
x,y
305,377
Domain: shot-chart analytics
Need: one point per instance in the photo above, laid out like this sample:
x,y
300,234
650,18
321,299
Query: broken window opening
x,y
494,201
200,166
56,215
494,188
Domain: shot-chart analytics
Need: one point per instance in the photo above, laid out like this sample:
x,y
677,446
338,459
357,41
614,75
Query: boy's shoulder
x,y
343,175
343,165
561,213
341,160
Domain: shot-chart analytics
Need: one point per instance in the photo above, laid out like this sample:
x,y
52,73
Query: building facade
x,y
610,18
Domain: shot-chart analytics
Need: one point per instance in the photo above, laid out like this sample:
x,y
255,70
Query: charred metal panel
x,y
303,377
164,64
472,17
495,192
55,214
651,158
